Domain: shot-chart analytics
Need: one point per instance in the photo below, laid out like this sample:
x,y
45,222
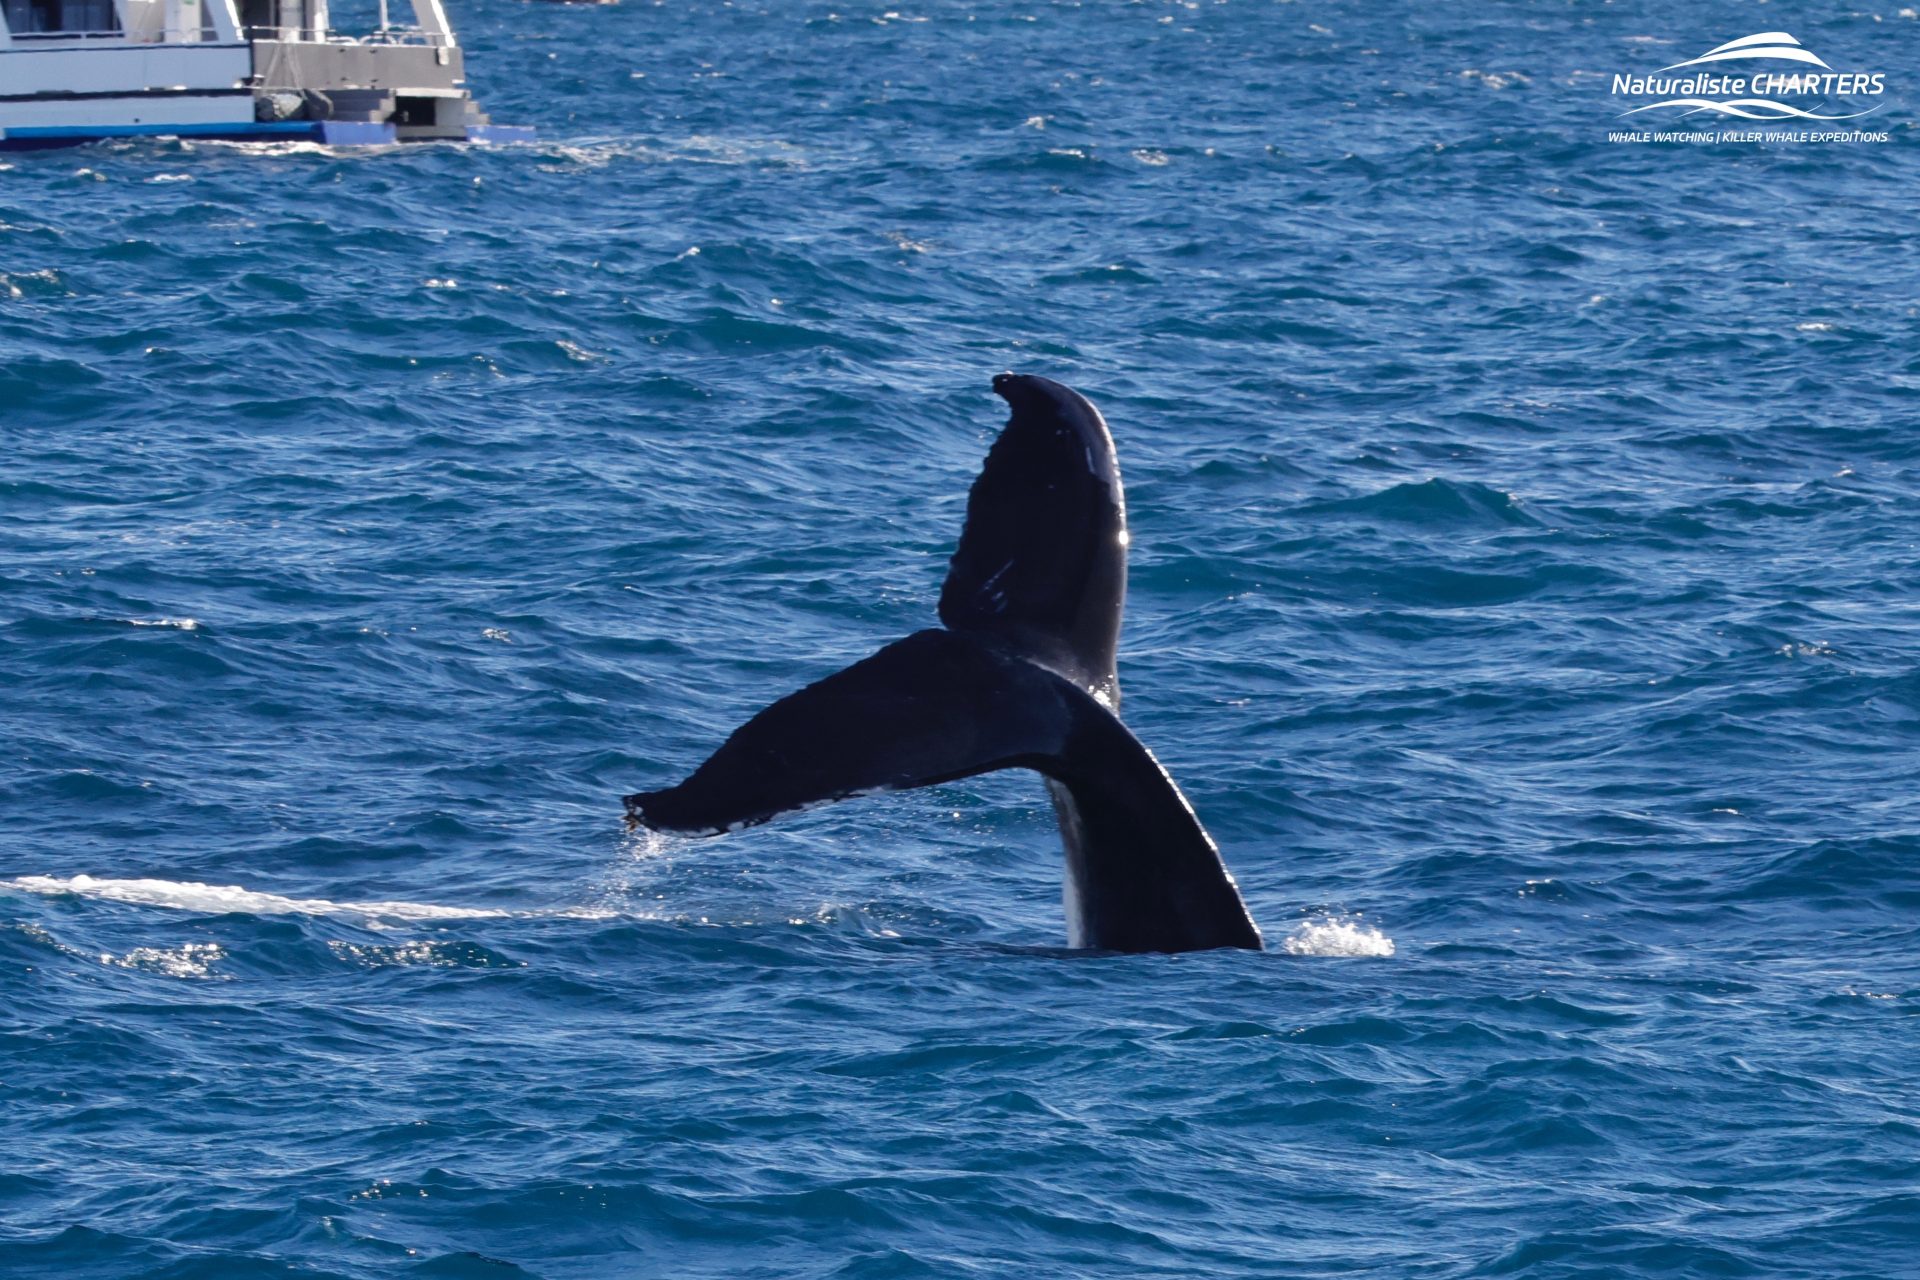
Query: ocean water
x,y
1524,592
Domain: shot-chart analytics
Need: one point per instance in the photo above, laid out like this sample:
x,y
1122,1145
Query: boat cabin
x,y
81,70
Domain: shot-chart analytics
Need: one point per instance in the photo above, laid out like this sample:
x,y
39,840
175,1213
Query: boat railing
x,y
388,35
281,35
50,37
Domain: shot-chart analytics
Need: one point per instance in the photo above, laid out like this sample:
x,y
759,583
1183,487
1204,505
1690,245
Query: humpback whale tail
x,y
1022,677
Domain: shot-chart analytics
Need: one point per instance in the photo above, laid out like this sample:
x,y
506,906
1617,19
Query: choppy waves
x,y
1521,591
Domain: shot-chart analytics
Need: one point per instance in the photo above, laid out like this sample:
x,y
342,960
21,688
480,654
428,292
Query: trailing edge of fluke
x,y
1020,677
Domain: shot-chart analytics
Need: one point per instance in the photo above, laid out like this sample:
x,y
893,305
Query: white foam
x,y
189,895
194,960
1336,936
190,960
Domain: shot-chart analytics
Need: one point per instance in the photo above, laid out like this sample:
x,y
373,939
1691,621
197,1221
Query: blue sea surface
x,y
1525,591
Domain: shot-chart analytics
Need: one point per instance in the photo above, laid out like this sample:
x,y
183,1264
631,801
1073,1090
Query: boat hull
x,y
339,93
333,133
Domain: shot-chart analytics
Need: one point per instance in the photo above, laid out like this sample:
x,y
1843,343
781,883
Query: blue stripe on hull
x,y
341,133
17,139
356,133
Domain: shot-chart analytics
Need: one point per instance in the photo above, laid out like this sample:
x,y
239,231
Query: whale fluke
x,y
1022,678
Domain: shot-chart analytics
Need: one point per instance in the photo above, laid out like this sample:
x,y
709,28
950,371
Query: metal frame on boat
x,y
83,70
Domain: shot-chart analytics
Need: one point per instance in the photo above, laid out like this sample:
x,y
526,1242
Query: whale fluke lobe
x,y
1021,678
1043,557
930,708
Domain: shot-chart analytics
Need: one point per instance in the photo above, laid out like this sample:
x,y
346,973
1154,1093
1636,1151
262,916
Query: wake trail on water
x,y
190,895
1322,936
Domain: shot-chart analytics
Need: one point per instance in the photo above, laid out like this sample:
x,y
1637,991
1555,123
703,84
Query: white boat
x,y
82,70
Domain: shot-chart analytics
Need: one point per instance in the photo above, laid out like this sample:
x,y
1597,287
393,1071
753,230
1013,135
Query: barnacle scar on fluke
x,y
1021,677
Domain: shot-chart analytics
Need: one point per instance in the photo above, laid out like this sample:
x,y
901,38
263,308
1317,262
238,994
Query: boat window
x,y
36,17
287,17
91,15
23,17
